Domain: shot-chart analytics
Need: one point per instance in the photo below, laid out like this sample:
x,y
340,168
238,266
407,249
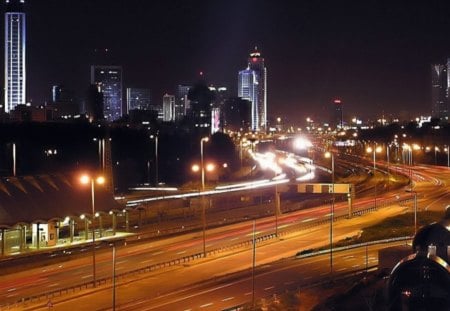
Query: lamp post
x,y
448,155
86,179
204,139
155,137
436,149
113,244
14,158
374,150
331,155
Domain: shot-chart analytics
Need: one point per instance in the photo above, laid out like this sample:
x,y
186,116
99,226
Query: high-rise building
x,y
252,85
237,115
15,54
168,107
108,79
138,99
182,103
439,91
338,114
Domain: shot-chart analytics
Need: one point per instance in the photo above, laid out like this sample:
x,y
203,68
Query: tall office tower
x,y
182,102
15,52
60,94
138,99
168,107
252,85
247,90
338,114
237,116
439,91
108,80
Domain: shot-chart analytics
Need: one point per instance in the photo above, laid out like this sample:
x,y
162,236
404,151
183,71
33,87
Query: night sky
x,y
374,55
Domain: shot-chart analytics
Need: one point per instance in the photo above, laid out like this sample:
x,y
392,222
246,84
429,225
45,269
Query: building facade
x,y
138,99
252,86
439,91
182,103
15,55
108,80
168,107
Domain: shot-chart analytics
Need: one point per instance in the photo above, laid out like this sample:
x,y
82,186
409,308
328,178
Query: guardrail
x,y
186,259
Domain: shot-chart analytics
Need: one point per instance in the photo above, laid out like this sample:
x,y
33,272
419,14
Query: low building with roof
x,y
39,210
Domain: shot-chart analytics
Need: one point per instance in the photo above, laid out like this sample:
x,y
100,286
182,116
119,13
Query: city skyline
x,y
374,56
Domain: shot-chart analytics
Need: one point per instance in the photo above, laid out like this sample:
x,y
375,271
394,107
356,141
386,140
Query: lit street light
x,y
202,166
446,149
374,150
204,139
155,137
331,155
86,179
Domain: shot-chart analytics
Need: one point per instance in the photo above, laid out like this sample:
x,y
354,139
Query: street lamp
x,y
155,137
374,150
415,208
446,149
202,166
204,139
436,150
329,154
86,179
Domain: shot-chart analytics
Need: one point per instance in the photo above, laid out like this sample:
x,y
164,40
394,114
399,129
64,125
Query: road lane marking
x,y
11,289
309,219
86,276
228,298
179,253
247,294
53,285
148,260
341,269
157,253
269,288
206,305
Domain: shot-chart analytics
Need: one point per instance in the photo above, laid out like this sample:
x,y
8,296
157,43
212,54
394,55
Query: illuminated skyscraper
x,y
15,40
138,99
439,91
168,107
108,80
252,85
182,102
338,114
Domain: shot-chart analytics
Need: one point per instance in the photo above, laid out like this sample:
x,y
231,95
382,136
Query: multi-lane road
x,y
431,185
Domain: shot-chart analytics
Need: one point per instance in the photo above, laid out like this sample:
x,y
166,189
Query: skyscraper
x,y
182,102
338,114
138,99
108,79
252,85
439,91
168,107
15,52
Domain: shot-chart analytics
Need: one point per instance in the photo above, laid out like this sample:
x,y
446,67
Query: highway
x,y
430,184
183,287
